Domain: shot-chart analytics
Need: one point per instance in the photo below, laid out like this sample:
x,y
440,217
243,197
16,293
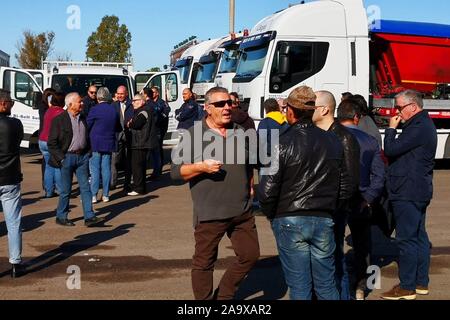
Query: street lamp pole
x,y
232,15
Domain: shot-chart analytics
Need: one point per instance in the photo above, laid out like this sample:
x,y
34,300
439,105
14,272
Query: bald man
x,y
324,118
90,100
122,157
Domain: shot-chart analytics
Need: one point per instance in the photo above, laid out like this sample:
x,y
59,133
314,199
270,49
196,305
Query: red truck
x,y
412,55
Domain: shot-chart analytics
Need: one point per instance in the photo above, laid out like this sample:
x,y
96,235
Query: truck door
x,y
141,79
26,93
170,91
38,75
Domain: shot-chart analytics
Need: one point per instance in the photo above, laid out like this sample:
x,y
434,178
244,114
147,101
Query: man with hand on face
x,y
410,188
221,196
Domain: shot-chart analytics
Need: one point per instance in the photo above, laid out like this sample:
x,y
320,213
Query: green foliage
x,y
154,69
110,43
33,49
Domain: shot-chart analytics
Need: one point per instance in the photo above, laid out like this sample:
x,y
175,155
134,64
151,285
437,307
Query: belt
x,y
76,152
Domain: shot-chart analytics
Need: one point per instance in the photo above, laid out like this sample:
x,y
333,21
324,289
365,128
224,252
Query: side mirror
x,y
284,67
36,98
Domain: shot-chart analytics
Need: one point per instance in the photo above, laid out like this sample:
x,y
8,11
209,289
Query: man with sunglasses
x,y
11,135
90,100
221,197
410,187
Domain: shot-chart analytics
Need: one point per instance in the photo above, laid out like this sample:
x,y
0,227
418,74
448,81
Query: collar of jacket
x,y
303,124
419,115
277,116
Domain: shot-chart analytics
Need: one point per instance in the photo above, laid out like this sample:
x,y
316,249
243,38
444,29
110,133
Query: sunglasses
x,y
221,104
400,108
92,92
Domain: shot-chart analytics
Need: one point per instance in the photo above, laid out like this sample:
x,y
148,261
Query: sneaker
x,y
422,291
94,199
397,293
105,199
361,291
133,193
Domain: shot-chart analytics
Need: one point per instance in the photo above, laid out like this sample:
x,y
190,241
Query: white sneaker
x,y
94,199
105,199
133,193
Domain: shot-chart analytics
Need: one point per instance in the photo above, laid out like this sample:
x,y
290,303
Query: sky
x,y
157,26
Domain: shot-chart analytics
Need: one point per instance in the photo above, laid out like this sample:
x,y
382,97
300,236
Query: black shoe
x,y
93,221
17,270
65,222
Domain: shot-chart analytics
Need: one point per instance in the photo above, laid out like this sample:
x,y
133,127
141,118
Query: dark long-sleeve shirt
x,y
372,170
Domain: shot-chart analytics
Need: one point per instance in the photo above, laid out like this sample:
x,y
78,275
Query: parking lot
x,y
144,249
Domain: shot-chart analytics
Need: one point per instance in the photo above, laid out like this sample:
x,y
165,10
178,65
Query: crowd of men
x,y
331,173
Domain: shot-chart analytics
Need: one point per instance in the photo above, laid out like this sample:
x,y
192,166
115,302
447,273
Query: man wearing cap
x,y
300,199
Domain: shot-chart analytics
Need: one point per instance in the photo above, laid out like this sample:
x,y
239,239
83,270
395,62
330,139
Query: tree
x,y
63,56
33,49
154,69
110,43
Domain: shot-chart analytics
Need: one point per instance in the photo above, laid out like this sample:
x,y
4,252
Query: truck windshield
x,y
252,61
81,82
230,59
206,72
184,66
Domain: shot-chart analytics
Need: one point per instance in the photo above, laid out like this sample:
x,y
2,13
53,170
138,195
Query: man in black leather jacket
x,y
300,200
324,118
11,135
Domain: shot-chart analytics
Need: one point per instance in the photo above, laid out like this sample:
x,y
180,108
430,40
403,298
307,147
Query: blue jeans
x,y
306,247
11,200
342,279
100,163
413,242
78,164
52,176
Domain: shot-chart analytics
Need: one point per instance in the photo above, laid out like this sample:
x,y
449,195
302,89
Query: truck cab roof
x,y
301,20
411,28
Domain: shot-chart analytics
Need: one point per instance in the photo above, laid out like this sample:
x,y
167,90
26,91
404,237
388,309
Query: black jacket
x,y
88,104
11,135
60,138
144,134
307,180
187,114
349,184
243,119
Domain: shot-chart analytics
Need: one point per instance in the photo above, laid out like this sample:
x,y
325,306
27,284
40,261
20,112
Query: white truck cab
x,y
187,65
228,63
207,68
321,44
